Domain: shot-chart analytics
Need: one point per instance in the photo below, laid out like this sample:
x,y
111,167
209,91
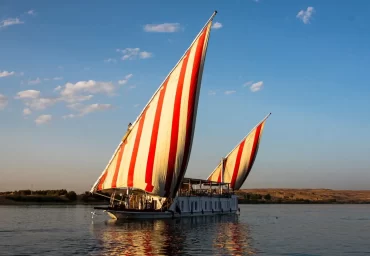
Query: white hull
x,y
184,206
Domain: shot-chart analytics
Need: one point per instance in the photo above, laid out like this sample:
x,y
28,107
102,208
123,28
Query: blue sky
x,y
69,86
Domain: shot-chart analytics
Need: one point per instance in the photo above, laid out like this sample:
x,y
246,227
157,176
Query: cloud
x,y
32,99
125,80
86,109
229,92
58,78
27,111
58,88
305,16
247,83
46,79
211,93
31,12
6,73
134,53
33,82
28,94
145,55
132,87
10,22
217,25
43,119
3,101
256,86
162,28
70,90
110,60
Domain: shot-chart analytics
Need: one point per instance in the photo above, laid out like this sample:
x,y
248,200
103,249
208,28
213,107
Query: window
x,y
196,205
205,207
182,205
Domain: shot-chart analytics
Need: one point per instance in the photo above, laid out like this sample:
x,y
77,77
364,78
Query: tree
x,y
71,195
267,197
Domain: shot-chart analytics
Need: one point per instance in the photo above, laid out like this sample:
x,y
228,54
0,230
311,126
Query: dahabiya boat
x,y
148,166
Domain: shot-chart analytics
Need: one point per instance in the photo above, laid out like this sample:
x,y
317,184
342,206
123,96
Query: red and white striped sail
x,y
238,163
154,153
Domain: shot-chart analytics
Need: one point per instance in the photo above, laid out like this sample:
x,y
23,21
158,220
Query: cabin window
x,y
182,205
205,205
196,205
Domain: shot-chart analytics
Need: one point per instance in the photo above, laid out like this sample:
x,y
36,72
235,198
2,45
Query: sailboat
x,y
146,174
236,166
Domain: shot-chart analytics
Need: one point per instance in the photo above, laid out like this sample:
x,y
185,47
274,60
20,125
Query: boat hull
x,y
125,215
183,206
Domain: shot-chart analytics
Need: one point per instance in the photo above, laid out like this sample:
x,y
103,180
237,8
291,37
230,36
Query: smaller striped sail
x,y
238,163
154,153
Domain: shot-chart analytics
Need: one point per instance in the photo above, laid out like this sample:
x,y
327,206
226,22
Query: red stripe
x,y
118,164
254,150
101,182
131,170
175,126
191,106
237,164
153,140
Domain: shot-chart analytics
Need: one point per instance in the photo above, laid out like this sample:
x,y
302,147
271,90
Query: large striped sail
x,y
238,163
154,153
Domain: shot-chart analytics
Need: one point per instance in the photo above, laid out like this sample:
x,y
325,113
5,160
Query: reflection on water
x,y
205,235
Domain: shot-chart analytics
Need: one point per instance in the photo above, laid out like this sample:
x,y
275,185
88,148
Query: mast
x,y
222,172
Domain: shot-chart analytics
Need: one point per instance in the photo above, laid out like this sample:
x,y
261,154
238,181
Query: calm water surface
x,y
260,230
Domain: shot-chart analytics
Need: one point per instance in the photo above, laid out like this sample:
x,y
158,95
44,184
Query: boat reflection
x,y
203,235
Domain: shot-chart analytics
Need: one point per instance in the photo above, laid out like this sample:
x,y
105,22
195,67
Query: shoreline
x,y
245,196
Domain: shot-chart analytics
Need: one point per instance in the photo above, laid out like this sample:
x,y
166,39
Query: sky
x,y
73,74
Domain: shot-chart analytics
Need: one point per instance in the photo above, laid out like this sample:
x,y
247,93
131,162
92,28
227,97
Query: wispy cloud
x,y
10,22
110,60
6,73
125,80
132,87
83,110
27,111
247,83
217,25
306,16
256,86
162,28
43,119
31,12
34,82
211,93
58,88
134,53
230,92
58,78
3,101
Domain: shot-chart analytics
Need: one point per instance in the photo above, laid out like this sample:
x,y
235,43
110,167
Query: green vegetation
x,y
49,197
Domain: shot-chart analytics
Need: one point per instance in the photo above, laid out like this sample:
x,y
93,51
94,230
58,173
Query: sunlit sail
x,y
154,153
238,163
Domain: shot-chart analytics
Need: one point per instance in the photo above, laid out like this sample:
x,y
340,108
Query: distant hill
x,y
276,195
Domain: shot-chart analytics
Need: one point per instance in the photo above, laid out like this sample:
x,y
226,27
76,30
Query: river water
x,y
298,230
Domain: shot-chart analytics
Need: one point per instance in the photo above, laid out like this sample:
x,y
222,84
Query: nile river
x,y
298,230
